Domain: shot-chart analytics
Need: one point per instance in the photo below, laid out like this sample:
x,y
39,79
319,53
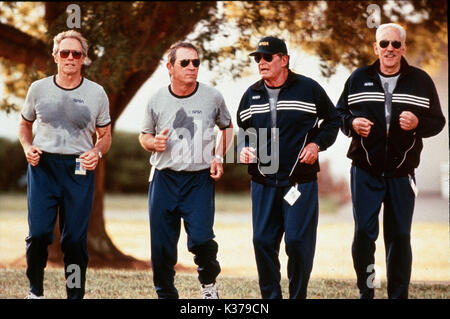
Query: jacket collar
x,y
292,77
375,67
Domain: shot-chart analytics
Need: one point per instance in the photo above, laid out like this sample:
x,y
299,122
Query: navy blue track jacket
x,y
396,153
302,102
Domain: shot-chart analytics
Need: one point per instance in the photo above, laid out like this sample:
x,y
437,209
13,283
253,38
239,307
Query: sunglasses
x,y
265,56
385,43
65,54
195,62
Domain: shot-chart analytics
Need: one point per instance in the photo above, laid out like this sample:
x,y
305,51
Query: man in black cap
x,y
284,108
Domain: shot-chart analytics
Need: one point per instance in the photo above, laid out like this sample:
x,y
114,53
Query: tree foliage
x,y
335,31
127,41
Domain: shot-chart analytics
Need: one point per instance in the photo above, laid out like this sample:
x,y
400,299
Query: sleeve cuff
x,y
104,125
27,119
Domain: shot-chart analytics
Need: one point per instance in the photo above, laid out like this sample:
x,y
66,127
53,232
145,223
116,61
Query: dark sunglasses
x,y
65,54
195,62
265,56
385,43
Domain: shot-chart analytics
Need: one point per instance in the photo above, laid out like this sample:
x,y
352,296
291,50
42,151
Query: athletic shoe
x,y
209,291
33,296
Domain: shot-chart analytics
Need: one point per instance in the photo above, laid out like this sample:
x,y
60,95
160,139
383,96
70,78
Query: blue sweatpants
x,y
272,216
172,196
368,193
52,185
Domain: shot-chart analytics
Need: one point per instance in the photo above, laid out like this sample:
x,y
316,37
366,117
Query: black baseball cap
x,y
270,45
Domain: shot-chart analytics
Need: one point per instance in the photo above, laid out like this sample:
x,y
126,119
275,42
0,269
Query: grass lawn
x,y
126,222
115,284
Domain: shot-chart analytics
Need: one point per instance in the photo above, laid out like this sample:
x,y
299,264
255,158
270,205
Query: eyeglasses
x,y
265,56
195,62
385,43
65,54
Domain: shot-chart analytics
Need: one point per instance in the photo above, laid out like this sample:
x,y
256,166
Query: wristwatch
x,y
220,158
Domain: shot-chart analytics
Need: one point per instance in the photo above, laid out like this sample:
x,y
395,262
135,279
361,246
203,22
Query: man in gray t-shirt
x,y
68,110
178,129
66,118
190,121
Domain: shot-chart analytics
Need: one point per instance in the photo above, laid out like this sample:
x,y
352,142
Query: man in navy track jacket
x,y
280,115
386,108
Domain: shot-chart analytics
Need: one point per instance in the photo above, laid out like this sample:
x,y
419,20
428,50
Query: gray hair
x,y
174,47
390,25
72,34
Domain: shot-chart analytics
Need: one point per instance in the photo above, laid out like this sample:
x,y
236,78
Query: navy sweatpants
x,y
272,216
52,184
172,196
368,193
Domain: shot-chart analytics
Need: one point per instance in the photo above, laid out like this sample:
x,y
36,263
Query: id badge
x,y
152,172
292,196
414,187
79,169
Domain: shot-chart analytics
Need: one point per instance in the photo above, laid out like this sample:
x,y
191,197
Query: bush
x,y
13,166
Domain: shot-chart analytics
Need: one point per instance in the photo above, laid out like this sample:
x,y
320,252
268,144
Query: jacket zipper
x,y
406,152
387,130
365,150
303,146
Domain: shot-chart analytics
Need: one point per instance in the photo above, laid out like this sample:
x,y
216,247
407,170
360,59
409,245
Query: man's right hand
x,y
247,155
33,154
161,140
362,126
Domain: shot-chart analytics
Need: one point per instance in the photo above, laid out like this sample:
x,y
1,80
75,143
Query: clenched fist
x,y
247,155
33,155
408,121
362,126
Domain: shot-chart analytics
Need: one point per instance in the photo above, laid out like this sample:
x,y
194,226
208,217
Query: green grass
x,y
123,284
225,202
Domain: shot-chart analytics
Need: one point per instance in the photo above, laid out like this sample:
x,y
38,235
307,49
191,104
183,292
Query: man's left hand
x,y
309,154
216,169
408,121
89,159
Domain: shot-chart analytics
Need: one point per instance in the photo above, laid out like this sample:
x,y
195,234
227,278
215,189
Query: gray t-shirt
x,y
66,118
190,120
273,99
389,83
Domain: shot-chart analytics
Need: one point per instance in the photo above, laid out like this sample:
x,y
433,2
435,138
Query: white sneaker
x,y
209,291
33,296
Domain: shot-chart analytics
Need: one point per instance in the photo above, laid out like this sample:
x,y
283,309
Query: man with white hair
x,y
68,109
386,108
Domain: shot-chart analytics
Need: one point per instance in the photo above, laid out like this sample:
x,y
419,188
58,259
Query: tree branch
x,y
20,47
